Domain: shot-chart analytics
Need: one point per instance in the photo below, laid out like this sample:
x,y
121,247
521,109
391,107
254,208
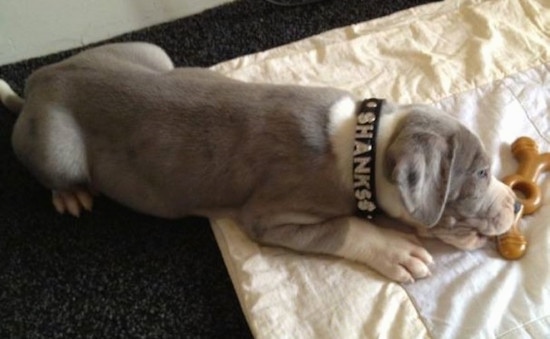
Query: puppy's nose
x,y
517,206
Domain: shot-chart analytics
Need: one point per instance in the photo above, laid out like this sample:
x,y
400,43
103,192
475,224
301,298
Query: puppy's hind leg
x,y
140,55
48,141
8,97
73,201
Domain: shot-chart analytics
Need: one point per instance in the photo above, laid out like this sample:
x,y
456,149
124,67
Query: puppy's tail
x,y
9,98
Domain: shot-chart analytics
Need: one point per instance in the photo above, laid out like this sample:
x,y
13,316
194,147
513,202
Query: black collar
x,y
364,156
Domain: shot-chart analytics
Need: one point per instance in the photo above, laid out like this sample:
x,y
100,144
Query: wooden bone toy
x,y
512,245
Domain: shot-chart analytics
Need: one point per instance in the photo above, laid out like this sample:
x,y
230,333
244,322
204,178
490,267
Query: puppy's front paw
x,y
399,256
462,237
72,201
396,255
468,241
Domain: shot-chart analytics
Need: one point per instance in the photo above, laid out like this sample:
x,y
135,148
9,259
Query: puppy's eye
x,y
482,173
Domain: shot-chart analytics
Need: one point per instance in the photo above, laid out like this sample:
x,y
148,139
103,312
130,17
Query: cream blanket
x,y
486,62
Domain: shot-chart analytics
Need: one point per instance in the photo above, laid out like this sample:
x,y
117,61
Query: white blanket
x,y
487,63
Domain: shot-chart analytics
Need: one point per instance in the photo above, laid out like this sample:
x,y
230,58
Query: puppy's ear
x,y
420,164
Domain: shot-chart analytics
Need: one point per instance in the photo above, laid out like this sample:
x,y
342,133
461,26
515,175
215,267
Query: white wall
x,y
30,28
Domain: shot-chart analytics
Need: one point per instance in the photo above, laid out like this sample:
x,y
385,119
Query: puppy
x,y
288,162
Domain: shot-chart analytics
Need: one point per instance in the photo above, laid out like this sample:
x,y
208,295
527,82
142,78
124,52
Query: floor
x,y
32,28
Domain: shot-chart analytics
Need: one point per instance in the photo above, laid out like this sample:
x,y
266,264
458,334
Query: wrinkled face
x,y
478,205
444,177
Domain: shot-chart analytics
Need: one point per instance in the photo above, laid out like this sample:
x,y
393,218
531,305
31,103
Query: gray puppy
x,y
121,120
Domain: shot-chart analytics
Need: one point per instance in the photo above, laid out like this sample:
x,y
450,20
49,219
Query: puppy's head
x,y
443,175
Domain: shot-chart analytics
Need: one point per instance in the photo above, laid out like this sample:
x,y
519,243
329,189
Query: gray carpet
x,y
115,273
